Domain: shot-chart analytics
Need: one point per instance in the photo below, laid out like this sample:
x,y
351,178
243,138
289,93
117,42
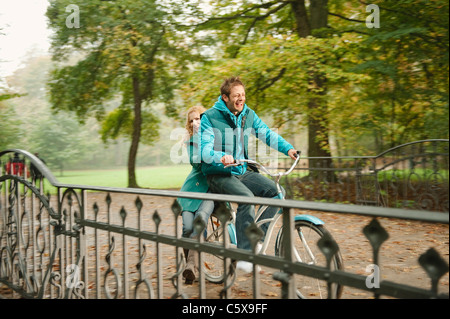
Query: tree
x,y
407,60
59,140
389,82
257,21
129,51
9,123
9,127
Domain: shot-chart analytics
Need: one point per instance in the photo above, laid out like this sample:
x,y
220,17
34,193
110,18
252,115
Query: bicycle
x,y
309,229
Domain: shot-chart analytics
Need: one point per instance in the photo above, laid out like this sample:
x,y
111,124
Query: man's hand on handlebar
x,y
227,160
293,154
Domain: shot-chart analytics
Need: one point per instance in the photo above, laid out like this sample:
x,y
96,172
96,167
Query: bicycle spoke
x,y
306,245
213,264
306,251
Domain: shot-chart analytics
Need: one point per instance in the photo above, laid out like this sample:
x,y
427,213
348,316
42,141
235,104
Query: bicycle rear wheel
x,y
212,264
306,250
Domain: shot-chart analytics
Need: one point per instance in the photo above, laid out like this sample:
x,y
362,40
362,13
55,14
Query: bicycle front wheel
x,y
306,251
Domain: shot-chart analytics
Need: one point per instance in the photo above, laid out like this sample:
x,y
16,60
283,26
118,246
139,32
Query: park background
x,y
98,100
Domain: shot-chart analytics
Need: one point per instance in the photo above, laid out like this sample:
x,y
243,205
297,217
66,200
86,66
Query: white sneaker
x,y
258,248
244,266
248,266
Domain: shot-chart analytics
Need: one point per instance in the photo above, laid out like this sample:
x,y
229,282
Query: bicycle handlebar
x,y
264,169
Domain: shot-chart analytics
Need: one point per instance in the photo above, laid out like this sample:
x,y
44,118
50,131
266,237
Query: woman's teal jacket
x,y
196,181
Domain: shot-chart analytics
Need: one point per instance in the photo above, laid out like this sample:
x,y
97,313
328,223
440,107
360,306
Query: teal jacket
x,y
223,133
196,181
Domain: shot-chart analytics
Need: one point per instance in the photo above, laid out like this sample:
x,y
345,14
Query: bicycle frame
x,y
273,221
302,249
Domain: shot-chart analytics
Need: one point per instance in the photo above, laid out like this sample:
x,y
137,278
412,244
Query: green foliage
x,y
7,96
9,127
9,122
407,60
276,71
59,140
382,86
128,50
119,122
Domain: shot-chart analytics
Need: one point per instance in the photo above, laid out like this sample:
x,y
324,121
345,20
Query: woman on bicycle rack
x,y
219,148
195,182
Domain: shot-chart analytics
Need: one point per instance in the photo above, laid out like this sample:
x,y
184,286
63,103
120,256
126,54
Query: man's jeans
x,y
249,184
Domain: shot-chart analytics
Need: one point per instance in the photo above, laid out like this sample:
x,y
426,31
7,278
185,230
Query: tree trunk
x,y
137,123
319,14
301,18
317,126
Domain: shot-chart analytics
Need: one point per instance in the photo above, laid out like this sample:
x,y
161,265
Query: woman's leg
x,y
204,211
188,221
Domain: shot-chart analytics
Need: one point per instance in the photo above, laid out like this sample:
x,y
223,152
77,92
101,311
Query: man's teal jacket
x,y
223,133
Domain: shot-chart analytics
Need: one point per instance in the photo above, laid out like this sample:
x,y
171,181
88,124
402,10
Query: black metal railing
x,y
78,241
410,176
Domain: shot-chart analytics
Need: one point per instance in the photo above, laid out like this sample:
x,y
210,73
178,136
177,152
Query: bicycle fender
x,y
279,196
232,232
309,218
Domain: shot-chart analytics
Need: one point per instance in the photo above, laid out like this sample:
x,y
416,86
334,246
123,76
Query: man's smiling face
x,y
235,102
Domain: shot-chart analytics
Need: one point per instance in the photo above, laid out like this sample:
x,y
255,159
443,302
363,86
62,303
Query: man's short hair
x,y
228,84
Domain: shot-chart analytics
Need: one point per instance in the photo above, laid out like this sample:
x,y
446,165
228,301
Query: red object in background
x,y
15,168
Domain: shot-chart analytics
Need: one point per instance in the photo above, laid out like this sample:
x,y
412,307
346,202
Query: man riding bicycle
x,y
224,133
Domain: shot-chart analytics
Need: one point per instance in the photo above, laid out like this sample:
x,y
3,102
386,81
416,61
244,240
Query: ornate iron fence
x,y
410,176
74,241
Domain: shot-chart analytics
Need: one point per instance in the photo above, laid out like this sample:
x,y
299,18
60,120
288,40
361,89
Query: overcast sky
x,y
23,29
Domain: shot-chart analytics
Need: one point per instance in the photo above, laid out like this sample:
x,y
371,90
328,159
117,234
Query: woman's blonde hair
x,y
199,109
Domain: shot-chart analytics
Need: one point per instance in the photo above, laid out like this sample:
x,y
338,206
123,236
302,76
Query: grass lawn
x,y
162,177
